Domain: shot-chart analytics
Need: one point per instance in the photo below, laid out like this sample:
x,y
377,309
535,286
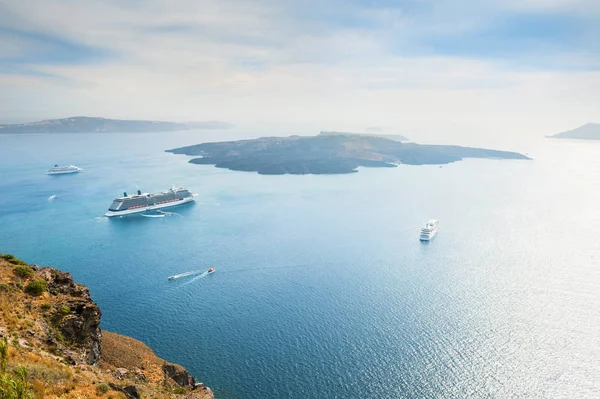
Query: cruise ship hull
x,y
149,207
427,237
429,231
64,172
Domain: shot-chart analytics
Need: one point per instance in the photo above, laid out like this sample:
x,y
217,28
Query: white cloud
x,y
266,67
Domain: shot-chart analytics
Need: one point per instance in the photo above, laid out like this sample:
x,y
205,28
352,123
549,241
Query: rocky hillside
x,y
51,345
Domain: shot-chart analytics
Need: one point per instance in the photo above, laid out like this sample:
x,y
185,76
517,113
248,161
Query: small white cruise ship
x,y
61,170
429,230
142,202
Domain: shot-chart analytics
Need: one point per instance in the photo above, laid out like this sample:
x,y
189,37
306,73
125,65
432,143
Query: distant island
x,y
589,131
85,124
327,153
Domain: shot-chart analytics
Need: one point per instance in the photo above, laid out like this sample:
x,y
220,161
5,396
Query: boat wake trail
x,y
202,275
186,274
169,213
50,198
159,214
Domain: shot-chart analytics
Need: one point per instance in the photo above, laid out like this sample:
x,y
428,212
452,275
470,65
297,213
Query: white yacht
x,y
429,230
61,170
142,202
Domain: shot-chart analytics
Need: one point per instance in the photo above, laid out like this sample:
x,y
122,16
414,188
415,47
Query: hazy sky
x,y
430,68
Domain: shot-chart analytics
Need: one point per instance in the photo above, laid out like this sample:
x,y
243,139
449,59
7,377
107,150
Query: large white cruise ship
x,y
61,170
429,230
142,202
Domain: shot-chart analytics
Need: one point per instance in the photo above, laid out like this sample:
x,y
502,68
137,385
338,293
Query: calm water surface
x,y
322,289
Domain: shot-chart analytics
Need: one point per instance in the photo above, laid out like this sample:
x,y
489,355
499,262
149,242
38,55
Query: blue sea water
x,y
322,289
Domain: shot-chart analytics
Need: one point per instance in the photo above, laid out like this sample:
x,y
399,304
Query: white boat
x,y
429,230
61,170
143,202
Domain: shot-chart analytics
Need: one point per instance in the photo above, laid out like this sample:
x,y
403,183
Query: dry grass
x,y
122,351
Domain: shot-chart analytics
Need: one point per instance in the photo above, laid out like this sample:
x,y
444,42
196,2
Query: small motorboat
x,y
211,270
171,278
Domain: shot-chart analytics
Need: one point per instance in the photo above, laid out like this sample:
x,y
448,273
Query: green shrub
x,y
5,287
102,388
23,271
60,337
36,287
15,386
11,259
19,262
46,306
3,354
180,390
64,310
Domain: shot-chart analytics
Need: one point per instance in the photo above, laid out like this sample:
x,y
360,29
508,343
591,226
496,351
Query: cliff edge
x,y
51,344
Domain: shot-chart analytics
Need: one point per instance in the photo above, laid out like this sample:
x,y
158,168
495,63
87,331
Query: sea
x,y
322,288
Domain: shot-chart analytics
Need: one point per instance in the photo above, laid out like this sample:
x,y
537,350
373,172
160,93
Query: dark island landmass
x,y
589,131
85,124
327,154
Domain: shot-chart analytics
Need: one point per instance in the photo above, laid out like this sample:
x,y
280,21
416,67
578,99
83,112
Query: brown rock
x,y
179,375
82,325
121,372
131,391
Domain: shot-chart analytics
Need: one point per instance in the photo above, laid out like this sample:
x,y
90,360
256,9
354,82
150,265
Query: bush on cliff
x,y
3,354
12,385
23,271
36,287
11,259
15,386
64,310
102,388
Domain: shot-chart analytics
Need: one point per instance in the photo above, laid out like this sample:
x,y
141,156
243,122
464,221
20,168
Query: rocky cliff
x,y
51,344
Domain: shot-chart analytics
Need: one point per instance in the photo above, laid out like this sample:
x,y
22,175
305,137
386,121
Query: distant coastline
x,y
85,124
328,153
589,131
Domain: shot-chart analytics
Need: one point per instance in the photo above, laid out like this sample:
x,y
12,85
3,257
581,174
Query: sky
x,y
431,69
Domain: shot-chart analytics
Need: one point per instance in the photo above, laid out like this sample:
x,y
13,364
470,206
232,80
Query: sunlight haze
x,y
434,70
